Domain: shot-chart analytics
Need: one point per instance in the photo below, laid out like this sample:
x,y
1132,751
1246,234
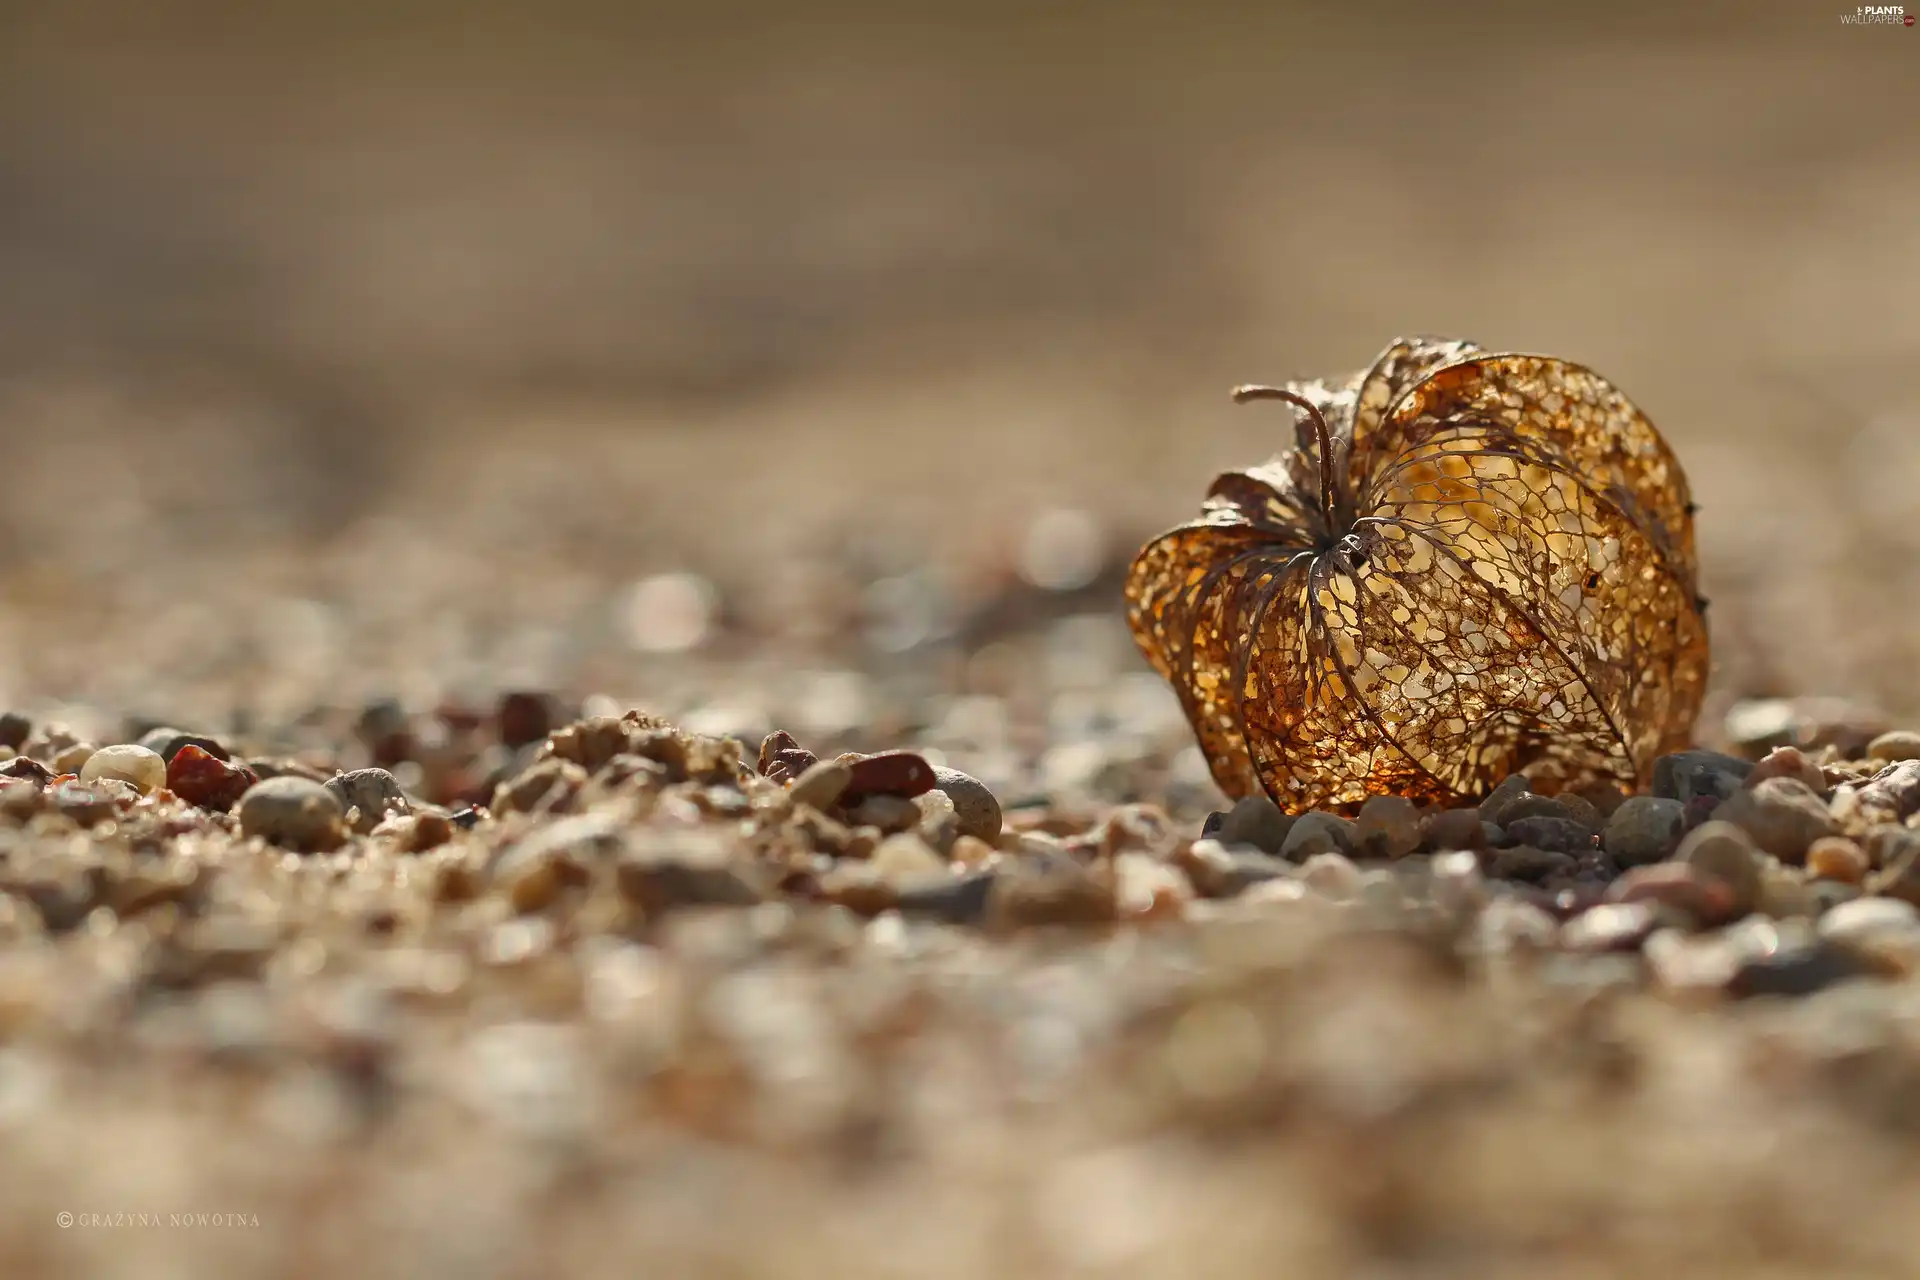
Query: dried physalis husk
x,y
1470,565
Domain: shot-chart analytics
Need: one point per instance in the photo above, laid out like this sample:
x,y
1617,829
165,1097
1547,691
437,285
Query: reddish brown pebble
x,y
524,718
1787,762
1704,898
199,778
782,758
1837,858
27,768
891,773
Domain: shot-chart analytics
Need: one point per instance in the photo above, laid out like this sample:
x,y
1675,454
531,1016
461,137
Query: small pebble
x,y
1602,797
1146,888
1559,835
1685,775
1532,805
1141,828
891,773
1696,965
1526,863
822,786
1803,970
1456,884
1456,829
136,766
1783,816
1703,899
1584,812
1220,872
937,824
15,729
524,717
202,779
1900,876
1316,833
1387,827
1493,808
1257,823
1887,845
1725,852
1837,858
293,813
1332,876
975,805
955,900
27,769
1787,762
1620,926
1512,924
1897,744
72,759
1644,829
885,813
1855,920
1828,894
1784,895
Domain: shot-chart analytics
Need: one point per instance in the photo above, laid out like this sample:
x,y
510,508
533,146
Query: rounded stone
x,y
1782,815
1703,899
294,813
1897,744
1872,921
1315,833
1530,805
137,766
73,758
821,786
1785,896
1332,875
1686,775
1560,835
1388,827
975,805
1257,823
1456,829
1493,808
1838,858
1644,829
1788,762
1723,851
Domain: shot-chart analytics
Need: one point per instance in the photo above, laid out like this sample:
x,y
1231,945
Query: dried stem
x,y
1242,395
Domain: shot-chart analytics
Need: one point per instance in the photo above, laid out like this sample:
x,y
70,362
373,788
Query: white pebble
x,y
136,766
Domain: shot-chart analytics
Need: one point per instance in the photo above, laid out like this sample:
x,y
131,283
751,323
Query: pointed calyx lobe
x,y
1483,565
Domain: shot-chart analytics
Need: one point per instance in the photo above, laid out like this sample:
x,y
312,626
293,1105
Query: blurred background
x,y
353,349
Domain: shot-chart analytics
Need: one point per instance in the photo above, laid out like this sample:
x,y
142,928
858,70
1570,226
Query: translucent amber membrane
x,y
1514,590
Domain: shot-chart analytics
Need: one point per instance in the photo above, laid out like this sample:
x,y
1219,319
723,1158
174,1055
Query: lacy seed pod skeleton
x,y
1472,564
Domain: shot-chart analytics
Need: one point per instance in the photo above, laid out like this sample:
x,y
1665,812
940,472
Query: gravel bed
x,y
530,988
